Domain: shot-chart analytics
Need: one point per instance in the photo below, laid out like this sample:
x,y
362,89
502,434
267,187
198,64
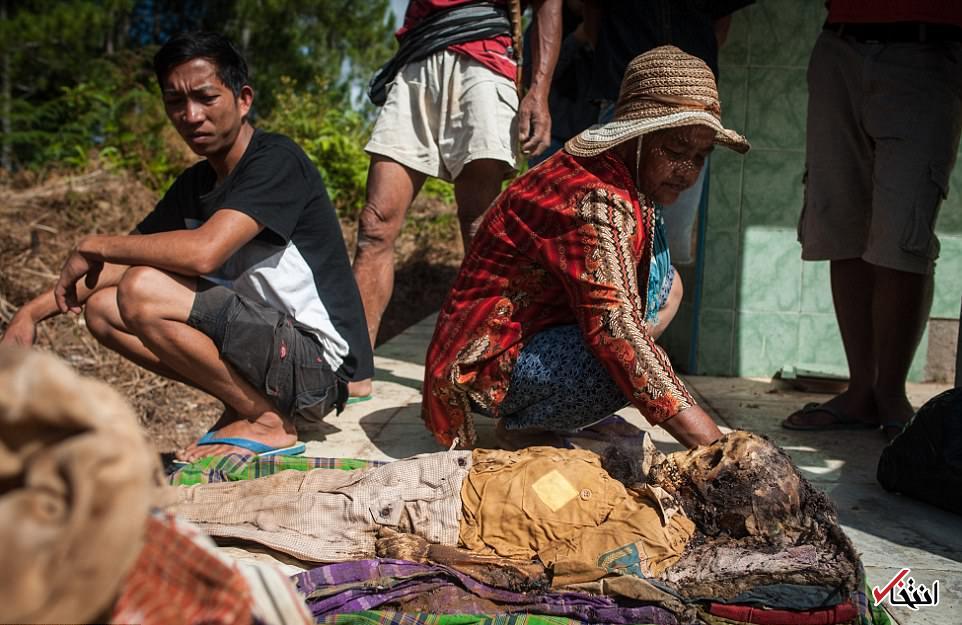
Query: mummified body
x,y
758,520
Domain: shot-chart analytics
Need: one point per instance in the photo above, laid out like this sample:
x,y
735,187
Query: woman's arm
x,y
670,309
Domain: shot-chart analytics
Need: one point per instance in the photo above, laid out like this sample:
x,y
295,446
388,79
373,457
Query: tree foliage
x,y
76,75
338,42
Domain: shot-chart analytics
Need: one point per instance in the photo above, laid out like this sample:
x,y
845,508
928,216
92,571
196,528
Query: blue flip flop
x,y
358,399
259,449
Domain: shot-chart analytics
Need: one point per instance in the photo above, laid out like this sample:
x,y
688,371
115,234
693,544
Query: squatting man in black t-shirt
x,y
238,282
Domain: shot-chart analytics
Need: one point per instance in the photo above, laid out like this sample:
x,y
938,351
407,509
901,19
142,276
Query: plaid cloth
x,y
364,584
868,615
175,580
276,602
374,617
842,613
236,467
868,612
863,612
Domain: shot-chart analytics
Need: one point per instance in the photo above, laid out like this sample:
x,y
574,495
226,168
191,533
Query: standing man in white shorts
x,y
884,117
452,114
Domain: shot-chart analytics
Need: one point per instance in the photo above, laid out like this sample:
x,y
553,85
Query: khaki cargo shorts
x,y
883,131
443,112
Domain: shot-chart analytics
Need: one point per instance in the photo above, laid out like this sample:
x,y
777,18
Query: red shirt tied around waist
x,y
889,11
495,54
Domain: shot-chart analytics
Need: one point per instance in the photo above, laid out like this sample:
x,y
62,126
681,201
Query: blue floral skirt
x,y
558,384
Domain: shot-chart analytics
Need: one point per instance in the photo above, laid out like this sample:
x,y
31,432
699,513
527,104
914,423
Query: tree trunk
x,y
109,34
6,151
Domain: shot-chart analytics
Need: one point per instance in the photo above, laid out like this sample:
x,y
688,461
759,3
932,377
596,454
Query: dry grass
x,y
41,220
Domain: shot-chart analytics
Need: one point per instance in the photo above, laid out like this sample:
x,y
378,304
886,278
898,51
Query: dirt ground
x,y
40,221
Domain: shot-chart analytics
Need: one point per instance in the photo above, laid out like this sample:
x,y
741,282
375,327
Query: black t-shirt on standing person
x,y
630,27
298,263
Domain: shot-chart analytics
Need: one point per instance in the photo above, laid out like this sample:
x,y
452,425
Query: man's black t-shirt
x,y
298,263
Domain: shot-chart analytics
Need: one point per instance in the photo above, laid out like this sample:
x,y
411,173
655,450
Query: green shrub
x,y
333,133
113,114
439,189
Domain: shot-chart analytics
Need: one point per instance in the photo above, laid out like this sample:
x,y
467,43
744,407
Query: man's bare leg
x,y
152,307
391,187
901,306
881,315
104,323
853,294
475,188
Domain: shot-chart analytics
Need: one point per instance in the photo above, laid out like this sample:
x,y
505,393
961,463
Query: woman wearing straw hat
x,y
547,326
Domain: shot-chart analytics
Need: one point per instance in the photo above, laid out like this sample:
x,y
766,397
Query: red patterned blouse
x,y
568,242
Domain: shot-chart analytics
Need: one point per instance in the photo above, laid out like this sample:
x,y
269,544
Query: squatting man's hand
x,y
21,331
76,266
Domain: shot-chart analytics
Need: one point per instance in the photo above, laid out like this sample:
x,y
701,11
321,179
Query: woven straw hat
x,y
662,88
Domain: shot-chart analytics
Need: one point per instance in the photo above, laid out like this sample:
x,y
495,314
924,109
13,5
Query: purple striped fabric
x,y
365,584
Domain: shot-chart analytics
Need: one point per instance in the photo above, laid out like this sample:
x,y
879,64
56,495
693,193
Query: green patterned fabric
x,y
868,612
236,467
377,617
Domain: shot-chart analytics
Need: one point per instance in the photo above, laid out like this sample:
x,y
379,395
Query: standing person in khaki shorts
x,y
451,111
884,116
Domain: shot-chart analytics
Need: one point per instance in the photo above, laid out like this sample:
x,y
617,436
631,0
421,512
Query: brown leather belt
x,y
896,32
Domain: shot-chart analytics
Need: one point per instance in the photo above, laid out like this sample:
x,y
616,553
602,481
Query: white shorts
x,y
445,111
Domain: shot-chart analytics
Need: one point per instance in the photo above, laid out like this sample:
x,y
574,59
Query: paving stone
x,y
950,595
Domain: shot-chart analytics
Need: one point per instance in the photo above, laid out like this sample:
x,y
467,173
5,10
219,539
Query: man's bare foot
x,y
894,411
360,388
849,410
269,428
228,416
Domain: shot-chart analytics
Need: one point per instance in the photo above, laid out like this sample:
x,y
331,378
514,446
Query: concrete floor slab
x,y
950,596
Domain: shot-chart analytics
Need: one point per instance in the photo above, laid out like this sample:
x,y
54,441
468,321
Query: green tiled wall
x,y
761,307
